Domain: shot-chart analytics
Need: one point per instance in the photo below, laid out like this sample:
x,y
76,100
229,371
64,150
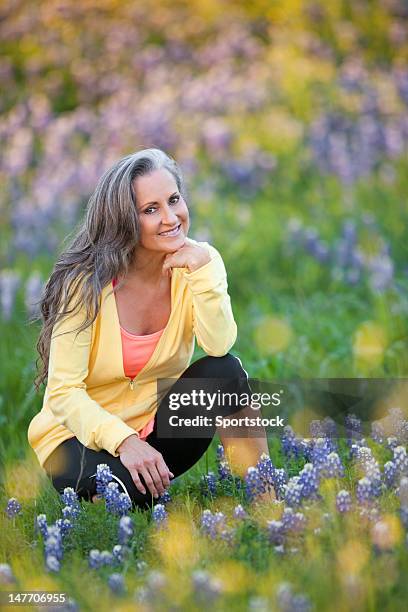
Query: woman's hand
x,y
191,256
139,457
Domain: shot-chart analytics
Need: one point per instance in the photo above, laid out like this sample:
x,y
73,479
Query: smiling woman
x,y
111,359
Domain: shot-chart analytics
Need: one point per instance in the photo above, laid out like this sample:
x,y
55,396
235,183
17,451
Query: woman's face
x,y
161,208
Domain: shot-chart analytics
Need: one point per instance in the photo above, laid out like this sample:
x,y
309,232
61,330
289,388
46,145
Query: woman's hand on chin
x,y
191,256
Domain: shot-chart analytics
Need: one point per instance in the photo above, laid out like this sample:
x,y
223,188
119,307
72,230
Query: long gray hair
x,y
102,246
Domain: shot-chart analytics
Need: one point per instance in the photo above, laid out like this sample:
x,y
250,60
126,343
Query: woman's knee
x,y
227,366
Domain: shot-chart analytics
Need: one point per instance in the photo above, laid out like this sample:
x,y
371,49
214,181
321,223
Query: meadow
x,y
291,127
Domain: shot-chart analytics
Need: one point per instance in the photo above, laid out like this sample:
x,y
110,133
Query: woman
x,y
120,313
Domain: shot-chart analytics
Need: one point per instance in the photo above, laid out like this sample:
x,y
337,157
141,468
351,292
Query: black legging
x,y
179,453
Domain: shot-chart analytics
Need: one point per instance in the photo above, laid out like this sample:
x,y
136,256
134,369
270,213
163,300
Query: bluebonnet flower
x,y
316,429
293,521
320,451
364,492
64,525
333,467
53,548
240,512
212,524
276,532
289,602
6,574
125,529
392,442
116,503
308,482
41,524
343,501
290,443
159,514
220,453
71,512
254,485
377,432
224,470
70,497
266,471
401,459
164,498
52,563
279,482
206,588
293,491
208,484
94,559
107,558
390,473
353,428
402,492
118,552
116,583
103,478
13,507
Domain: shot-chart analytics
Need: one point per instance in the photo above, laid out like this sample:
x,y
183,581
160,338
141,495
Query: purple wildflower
x,y
125,529
309,480
220,453
118,552
293,491
206,588
364,492
293,521
401,459
69,497
377,432
107,558
343,501
390,473
65,525
267,471
6,574
213,524
276,532
289,602
392,442
52,563
159,514
224,470
116,583
253,483
165,498
240,512
208,484
290,443
103,478
41,525
333,467
13,508
94,559
279,482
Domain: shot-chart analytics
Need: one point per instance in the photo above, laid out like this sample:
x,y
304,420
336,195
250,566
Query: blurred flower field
x,y
290,123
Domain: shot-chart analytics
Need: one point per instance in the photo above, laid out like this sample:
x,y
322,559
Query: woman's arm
x,y
67,398
213,319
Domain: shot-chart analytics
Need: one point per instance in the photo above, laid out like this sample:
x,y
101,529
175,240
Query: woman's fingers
x,y
149,481
158,482
137,481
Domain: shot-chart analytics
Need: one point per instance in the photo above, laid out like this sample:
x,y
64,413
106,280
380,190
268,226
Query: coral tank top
x,y
137,351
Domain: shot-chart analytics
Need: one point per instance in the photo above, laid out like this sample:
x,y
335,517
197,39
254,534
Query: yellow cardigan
x,y
88,395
